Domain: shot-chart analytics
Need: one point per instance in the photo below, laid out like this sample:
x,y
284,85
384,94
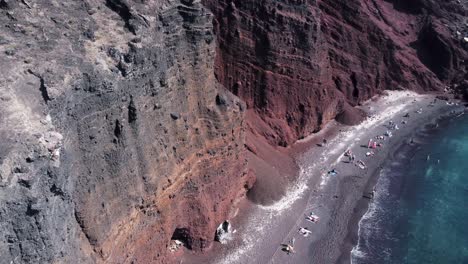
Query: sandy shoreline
x,y
338,200
348,209
402,150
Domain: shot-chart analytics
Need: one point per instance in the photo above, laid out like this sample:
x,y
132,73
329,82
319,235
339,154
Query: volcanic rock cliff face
x,y
300,63
118,133
115,133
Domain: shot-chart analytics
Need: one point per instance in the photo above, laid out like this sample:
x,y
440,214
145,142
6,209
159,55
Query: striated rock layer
x,y
119,129
116,136
300,63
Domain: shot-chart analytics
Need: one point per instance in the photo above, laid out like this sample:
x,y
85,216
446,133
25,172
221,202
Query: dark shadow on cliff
x,y
433,51
413,6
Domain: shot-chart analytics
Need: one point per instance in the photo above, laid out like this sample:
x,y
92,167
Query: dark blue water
x,y
420,211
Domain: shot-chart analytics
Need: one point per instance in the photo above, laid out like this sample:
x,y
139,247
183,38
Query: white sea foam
x,y
369,222
293,193
356,253
261,221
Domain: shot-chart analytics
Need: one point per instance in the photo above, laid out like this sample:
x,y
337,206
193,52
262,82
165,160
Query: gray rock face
x,y
94,166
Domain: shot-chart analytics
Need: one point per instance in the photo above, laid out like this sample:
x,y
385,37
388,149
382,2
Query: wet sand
x,y
338,200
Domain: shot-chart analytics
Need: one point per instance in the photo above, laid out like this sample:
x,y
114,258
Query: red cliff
x,y
300,63
121,130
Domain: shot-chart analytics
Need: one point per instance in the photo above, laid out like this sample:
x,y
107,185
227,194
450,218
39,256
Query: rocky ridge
x,y
116,137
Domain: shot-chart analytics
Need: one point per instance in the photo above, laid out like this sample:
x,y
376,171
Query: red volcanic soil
x,y
273,167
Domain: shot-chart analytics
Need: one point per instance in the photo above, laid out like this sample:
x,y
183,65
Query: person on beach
x,y
348,153
288,248
323,144
350,156
312,218
304,231
361,164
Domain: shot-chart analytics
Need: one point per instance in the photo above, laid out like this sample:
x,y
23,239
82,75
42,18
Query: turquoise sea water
x,y
420,212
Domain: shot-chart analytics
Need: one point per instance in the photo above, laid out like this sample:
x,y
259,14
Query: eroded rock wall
x,y
117,136
115,133
300,63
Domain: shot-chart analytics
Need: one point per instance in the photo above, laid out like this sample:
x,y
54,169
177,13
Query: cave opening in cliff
x,y
183,235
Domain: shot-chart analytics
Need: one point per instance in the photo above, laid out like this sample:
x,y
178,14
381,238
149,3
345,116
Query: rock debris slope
x,y
119,127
